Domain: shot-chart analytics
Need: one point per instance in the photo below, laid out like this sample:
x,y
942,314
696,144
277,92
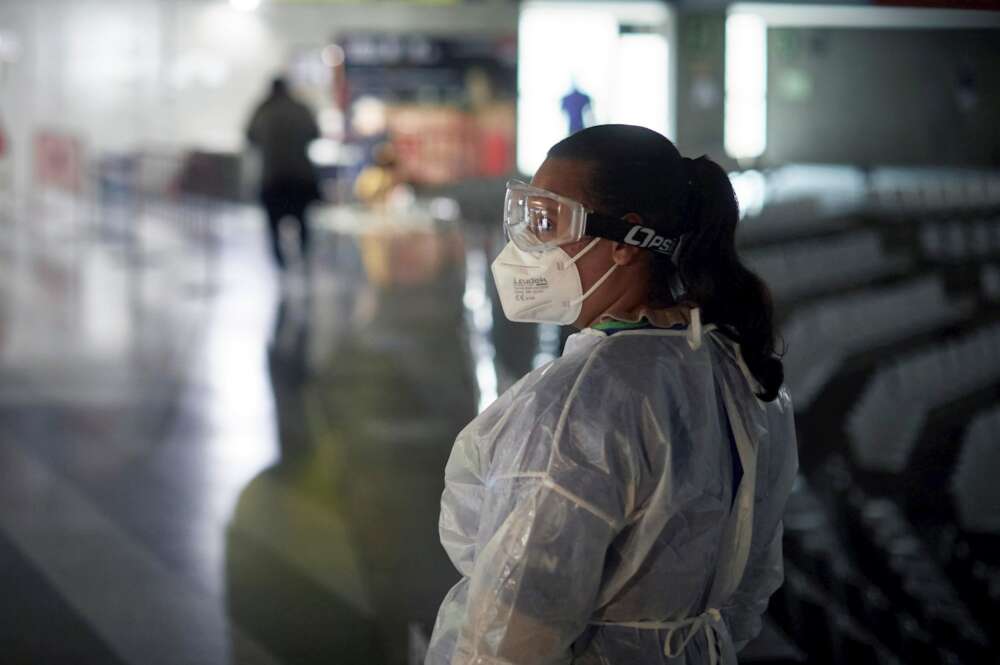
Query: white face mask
x,y
542,287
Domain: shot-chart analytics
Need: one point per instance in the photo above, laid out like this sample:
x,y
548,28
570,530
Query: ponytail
x,y
727,292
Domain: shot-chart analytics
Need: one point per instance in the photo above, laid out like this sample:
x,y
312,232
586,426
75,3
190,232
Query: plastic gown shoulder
x,y
596,489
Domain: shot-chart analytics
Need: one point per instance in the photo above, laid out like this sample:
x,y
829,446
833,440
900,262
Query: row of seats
x,y
917,568
793,217
820,336
912,614
989,277
909,191
865,582
815,602
796,269
794,199
882,535
974,484
831,634
886,421
956,242
797,198
971,561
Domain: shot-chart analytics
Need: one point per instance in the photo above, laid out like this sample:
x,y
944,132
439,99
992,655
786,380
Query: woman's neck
x,y
624,304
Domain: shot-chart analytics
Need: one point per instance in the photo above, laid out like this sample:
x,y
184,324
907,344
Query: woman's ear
x,y
625,254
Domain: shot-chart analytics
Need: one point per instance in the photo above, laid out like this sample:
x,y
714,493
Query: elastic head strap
x,y
644,237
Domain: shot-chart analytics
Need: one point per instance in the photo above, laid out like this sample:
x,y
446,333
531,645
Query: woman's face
x,y
571,178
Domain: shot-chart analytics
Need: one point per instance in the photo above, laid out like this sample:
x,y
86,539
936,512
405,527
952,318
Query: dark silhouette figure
x,y
282,129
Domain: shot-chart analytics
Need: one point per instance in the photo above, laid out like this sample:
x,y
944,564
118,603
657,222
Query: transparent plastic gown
x,y
594,515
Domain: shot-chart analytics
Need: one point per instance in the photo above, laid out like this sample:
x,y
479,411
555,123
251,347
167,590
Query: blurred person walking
x,y
282,128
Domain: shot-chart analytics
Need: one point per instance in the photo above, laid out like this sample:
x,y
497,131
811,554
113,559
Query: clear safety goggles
x,y
537,220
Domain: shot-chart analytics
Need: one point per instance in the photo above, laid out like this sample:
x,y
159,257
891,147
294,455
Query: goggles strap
x,y
613,228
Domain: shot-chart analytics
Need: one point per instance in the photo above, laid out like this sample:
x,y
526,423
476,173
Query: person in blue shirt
x,y
575,105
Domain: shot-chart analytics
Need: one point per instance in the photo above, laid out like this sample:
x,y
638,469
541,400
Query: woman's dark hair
x,y
637,170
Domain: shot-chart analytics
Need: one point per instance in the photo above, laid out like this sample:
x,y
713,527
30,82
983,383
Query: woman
x,y
623,503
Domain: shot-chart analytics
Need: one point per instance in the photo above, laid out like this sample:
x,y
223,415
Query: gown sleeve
x,y
559,487
533,587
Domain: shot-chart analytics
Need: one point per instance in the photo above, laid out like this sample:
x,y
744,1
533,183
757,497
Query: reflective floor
x,y
204,461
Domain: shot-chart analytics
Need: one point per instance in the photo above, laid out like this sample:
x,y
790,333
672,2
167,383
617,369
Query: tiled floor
x,y
202,462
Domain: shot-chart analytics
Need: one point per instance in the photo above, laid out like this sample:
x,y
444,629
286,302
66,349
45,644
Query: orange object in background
x,y
439,145
432,143
58,161
496,140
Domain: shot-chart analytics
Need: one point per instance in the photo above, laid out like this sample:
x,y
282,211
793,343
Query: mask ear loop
x,y
593,243
694,336
598,283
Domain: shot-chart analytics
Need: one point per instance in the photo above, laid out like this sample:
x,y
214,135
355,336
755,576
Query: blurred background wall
x,y
858,84
874,87
127,73
883,96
